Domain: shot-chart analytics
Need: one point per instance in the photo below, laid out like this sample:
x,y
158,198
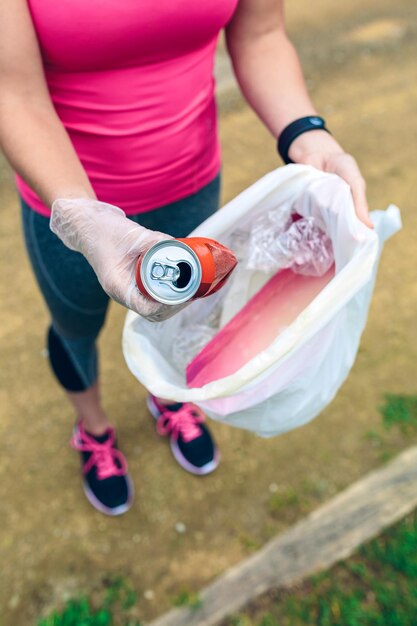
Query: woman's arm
x,y
38,147
269,74
31,135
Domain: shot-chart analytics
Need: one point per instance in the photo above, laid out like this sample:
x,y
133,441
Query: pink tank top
x,y
132,82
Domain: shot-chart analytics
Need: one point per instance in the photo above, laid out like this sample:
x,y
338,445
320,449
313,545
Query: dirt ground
x,y
360,63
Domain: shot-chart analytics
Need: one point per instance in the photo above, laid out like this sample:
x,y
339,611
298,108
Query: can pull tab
x,y
166,273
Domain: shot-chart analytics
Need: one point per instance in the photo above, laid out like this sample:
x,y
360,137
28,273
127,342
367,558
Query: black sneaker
x,y
107,484
191,443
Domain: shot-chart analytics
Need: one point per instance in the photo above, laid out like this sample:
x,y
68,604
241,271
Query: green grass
x,y
399,423
78,613
279,502
187,598
249,543
400,411
376,587
111,609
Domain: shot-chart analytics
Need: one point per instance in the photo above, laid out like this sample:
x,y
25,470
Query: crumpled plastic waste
x,y
277,244
189,341
192,337
277,240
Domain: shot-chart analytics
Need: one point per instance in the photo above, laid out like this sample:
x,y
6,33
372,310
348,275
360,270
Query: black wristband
x,y
296,128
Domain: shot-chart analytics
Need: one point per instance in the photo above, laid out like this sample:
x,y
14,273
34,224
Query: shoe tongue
x,y
173,407
99,438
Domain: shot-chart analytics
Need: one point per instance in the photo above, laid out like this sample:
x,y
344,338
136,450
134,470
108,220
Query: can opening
x,y
185,275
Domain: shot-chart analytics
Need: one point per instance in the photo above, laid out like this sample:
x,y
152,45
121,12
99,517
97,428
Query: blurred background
x,y
359,59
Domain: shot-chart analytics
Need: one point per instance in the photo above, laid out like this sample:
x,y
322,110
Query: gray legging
x,y
75,298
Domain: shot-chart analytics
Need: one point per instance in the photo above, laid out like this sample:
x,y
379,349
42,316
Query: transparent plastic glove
x,y
111,243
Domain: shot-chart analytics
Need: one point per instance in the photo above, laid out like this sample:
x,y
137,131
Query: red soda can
x,y
178,270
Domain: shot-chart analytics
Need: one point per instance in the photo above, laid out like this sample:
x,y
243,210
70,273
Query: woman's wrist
x,y
72,192
299,126
313,142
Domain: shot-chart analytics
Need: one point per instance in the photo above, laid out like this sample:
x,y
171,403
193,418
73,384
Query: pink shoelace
x,y
182,422
108,460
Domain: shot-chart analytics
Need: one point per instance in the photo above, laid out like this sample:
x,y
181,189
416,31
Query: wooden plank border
x,y
327,535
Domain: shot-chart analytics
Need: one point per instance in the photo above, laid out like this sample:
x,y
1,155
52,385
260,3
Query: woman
x,y
110,104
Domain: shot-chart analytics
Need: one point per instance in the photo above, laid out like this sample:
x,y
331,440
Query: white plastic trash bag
x,y
298,374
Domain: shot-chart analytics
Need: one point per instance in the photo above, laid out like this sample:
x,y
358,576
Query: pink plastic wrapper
x,y
256,325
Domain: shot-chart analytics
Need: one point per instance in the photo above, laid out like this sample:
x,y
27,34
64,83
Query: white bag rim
x,y
355,275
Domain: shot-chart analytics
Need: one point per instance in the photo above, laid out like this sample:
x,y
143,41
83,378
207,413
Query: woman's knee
x,y
73,360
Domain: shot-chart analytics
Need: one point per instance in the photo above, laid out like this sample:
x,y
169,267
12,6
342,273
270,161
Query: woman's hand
x,y
319,149
268,71
111,243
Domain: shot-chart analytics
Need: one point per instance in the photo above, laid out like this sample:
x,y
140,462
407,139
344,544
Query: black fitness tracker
x,y
296,128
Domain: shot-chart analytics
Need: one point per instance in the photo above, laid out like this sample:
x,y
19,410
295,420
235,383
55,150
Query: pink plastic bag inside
x,y
257,324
